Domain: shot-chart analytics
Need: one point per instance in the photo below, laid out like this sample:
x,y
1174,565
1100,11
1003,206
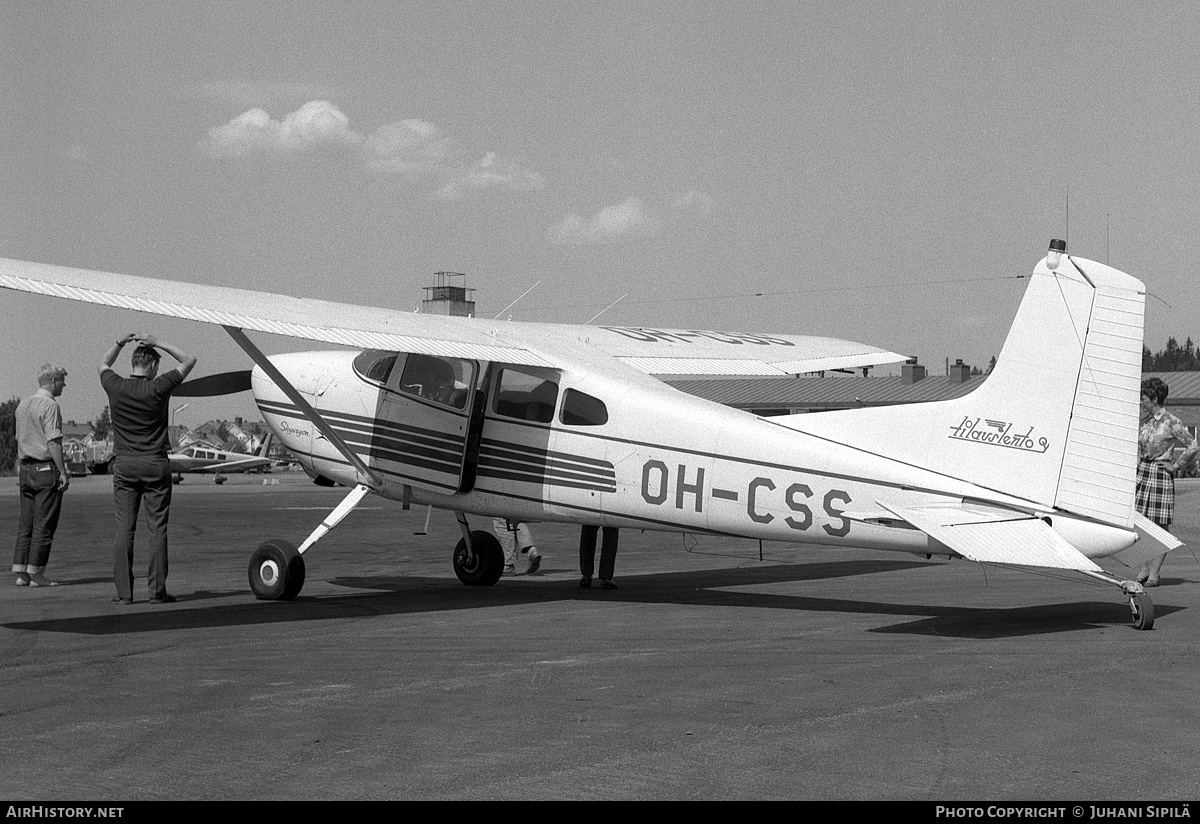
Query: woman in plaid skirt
x,y
1160,432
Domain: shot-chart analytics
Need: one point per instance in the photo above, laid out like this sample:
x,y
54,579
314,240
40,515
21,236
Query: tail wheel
x,y
486,566
276,571
1143,611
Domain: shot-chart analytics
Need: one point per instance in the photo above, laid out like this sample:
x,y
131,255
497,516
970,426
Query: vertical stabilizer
x,y
1055,422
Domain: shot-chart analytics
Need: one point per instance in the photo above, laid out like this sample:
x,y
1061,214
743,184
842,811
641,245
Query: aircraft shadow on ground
x,y
399,595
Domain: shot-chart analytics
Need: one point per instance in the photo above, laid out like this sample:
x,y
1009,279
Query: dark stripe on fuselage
x,y
442,452
502,459
546,454
450,488
540,470
368,425
540,480
402,444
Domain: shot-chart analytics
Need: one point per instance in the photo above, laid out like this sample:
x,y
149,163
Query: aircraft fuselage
x,y
659,460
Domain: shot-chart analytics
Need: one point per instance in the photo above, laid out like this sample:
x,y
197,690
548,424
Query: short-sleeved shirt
x,y
139,409
39,421
1158,436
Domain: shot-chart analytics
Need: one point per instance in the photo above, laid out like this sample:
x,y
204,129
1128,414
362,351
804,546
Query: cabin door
x,y
420,432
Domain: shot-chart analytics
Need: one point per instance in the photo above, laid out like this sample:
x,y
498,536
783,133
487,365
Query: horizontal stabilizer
x,y
1152,541
996,536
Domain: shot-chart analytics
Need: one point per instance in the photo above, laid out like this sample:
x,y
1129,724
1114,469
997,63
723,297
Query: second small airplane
x,y
203,459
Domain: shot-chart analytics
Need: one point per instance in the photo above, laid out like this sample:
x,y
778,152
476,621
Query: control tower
x,y
450,296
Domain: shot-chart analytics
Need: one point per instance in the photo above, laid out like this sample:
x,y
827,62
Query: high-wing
x,y
319,320
652,351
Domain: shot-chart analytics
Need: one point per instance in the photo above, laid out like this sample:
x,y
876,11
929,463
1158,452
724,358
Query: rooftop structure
x,y
449,296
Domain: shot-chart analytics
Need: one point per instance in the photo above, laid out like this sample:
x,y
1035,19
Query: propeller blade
x,y
225,383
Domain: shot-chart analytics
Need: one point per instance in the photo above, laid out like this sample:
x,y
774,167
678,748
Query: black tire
x,y
276,572
486,567
1143,611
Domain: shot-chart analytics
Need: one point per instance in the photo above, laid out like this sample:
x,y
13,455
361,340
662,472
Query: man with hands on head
x,y
139,408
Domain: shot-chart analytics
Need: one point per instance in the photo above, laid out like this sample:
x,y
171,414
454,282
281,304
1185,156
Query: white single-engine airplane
x,y
545,422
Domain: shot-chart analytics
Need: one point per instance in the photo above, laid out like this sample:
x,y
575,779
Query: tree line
x,y
1174,358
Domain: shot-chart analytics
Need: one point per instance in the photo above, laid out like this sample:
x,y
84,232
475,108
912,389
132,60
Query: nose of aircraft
x,y
303,370
312,375
325,380
328,388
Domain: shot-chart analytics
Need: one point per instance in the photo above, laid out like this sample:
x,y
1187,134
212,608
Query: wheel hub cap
x,y
269,572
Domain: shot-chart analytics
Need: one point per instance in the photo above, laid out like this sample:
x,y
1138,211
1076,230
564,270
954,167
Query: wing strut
x,y
366,477
340,511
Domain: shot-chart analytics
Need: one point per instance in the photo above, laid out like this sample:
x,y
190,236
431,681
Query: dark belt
x,y
36,461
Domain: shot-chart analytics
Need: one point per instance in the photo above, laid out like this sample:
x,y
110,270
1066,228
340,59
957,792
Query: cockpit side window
x,y
375,366
525,396
443,380
582,409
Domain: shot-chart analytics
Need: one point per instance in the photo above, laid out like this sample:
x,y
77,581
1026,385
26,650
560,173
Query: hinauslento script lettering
x,y
997,433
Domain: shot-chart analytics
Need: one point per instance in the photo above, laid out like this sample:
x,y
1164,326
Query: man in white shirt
x,y
42,474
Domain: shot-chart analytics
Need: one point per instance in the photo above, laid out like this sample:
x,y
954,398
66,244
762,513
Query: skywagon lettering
x,y
998,433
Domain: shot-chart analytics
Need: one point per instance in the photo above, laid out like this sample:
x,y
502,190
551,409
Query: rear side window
x,y
525,396
581,409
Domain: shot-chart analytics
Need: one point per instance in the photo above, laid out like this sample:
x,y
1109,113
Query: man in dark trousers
x,y
587,555
139,409
43,476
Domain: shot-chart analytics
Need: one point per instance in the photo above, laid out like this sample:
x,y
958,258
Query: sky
x,y
883,172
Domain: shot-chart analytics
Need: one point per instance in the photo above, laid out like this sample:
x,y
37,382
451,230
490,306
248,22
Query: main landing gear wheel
x,y
1143,611
487,565
276,571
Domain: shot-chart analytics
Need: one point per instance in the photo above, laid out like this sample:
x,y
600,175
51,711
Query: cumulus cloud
x,y
316,124
411,149
626,220
408,147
